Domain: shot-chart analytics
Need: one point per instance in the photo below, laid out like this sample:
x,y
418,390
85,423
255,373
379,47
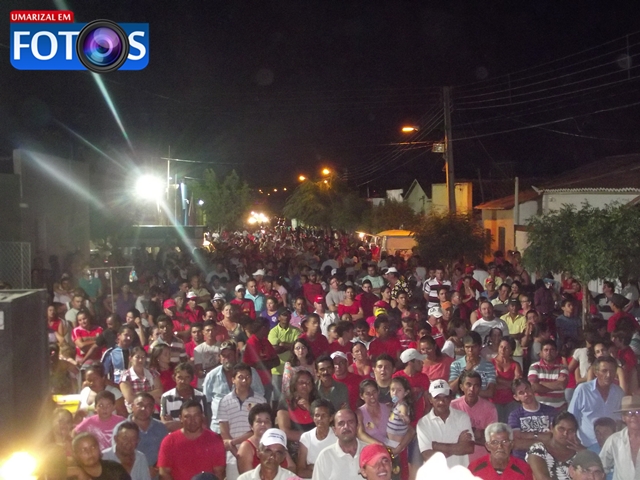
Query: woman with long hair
x,y
361,362
301,359
491,344
230,314
436,365
507,370
160,361
139,379
294,412
583,357
350,305
372,415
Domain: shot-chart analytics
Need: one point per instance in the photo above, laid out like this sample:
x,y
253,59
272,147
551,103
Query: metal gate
x,y
15,264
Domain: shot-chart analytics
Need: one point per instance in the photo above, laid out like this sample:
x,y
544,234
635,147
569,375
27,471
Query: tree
x,y
226,202
389,216
590,243
445,239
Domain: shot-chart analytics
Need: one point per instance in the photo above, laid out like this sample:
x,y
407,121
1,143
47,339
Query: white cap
x,y
258,272
240,287
334,271
435,312
340,354
274,436
391,270
218,296
439,387
412,354
192,294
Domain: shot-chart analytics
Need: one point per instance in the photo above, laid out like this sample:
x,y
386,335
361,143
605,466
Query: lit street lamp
x,y
409,129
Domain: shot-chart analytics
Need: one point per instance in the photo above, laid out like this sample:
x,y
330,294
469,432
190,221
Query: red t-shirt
x,y
256,351
193,316
346,349
517,469
628,359
352,381
419,388
390,345
311,291
615,318
366,302
80,332
319,345
187,458
352,309
246,306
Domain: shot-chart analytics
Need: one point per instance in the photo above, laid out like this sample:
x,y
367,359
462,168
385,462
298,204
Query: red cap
x,y
319,299
372,453
381,304
468,270
168,303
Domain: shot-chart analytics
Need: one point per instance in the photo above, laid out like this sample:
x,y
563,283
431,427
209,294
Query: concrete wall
x,y
440,198
493,220
418,201
555,201
55,198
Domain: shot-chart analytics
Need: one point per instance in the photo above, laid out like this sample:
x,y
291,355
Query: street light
x,y
326,171
409,129
150,188
302,178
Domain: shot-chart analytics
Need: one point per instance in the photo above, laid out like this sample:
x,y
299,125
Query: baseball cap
x,y
284,311
412,354
319,299
619,300
228,344
258,272
435,312
168,303
240,287
372,453
192,295
446,305
586,459
468,271
439,387
391,270
274,436
218,296
334,271
335,355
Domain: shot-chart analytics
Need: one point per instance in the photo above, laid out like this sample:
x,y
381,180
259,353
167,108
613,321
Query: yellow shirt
x,y
516,326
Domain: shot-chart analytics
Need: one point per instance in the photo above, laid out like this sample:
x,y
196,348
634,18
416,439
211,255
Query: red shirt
x,y
613,320
628,359
80,332
419,388
390,345
246,306
187,458
255,352
366,302
517,469
193,316
336,347
352,381
311,291
319,345
188,348
352,309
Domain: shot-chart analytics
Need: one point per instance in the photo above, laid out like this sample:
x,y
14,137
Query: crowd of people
x,y
295,354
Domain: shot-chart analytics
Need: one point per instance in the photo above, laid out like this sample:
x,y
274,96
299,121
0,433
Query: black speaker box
x,y
25,399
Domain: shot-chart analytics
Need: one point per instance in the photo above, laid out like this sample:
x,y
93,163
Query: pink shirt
x,y
102,430
482,414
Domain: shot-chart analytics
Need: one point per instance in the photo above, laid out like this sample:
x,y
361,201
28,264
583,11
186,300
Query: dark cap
x,y
618,300
586,459
284,311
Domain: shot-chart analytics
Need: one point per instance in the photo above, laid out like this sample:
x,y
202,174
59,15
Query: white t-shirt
x,y
88,398
315,446
580,354
483,327
431,429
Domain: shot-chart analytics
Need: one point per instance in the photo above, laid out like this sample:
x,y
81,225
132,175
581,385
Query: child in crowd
x,y
101,425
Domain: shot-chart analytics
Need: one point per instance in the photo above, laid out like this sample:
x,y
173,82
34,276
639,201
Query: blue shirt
x,y
587,405
259,301
486,370
149,440
114,363
215,387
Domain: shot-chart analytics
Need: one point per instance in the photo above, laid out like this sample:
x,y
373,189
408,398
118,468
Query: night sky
x,y
276,89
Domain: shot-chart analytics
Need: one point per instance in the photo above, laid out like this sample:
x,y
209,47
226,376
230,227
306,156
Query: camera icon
x,y
102,46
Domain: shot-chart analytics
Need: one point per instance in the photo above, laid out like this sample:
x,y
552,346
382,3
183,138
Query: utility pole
x,y
448,150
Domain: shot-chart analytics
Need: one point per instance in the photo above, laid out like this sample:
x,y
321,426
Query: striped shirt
x,y
545,372
486,370
431,289
236,412
171,402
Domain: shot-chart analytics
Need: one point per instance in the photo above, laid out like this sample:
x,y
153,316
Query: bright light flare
x,y
252,220
150,188
409,129
302,178
20,466
200,202
326,171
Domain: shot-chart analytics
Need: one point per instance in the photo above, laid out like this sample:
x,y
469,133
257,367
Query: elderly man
x,y
621,449
271,452
192,449
219,381
124,451
445,429
587,465
375,463
596,398
341,461
500,464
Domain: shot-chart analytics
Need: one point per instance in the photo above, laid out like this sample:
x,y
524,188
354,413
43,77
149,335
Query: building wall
x,y
440,198
555,201
418,201
494,220
55,198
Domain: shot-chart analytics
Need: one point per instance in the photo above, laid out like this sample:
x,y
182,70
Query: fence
x,y
15,264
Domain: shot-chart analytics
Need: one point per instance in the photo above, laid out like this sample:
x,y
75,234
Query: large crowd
x,y
300,354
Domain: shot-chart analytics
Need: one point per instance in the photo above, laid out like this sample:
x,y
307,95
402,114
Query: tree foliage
x,y
445,238
328,204
389,216
591,243
226,202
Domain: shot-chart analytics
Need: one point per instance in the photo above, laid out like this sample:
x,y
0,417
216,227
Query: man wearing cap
x,y
488,321
412,371
431,286
621,449
473,361
375,463
597,398
341,461
192,311
481,412
271,452
282,337
192,449
351,380
328,388
500,464
517,324
335,294
219,381
258,275
396,283
444,429
246,305
255,296
438,327
587,465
